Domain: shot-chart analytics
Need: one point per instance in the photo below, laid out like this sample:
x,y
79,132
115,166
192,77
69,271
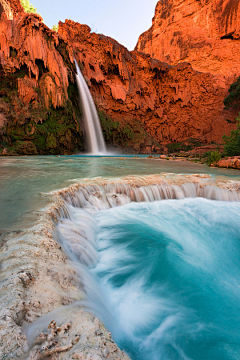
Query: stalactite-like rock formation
x,y
144,103
175,103
35,73
26,41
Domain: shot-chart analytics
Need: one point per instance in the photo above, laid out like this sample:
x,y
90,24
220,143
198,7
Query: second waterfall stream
x,y
94,136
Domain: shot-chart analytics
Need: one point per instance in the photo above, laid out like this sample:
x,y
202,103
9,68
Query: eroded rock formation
x,y
231,162
35,74
205,33
144,104
174,103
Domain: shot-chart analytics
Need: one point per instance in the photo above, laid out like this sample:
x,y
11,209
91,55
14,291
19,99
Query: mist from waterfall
x,y
94,136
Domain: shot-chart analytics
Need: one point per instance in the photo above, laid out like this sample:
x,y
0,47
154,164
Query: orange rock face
x,y
174,103
232,162
36,112
205,33
26,40
10,8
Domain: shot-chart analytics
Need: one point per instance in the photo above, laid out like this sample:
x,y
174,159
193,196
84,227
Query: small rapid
x,y
159,265
94,136
170,270
101,197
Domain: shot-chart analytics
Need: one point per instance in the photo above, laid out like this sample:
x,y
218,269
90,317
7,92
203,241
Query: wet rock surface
x,y
84,337
41,314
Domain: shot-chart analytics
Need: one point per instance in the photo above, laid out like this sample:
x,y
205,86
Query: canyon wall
x,y
36,74
205,33
174,103
144,104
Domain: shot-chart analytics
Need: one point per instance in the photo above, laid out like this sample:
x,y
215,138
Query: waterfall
x,y
94,197
190,239
94,136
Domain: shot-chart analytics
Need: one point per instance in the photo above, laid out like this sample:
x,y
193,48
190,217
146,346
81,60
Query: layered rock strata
x,y
205,33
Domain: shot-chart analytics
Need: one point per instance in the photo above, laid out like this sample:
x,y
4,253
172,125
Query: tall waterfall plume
x,y
94,136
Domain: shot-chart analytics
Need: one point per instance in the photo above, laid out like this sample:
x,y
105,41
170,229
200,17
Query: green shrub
x,y
188,145
233,99
212,157
232,142
129,136
55,28
29,8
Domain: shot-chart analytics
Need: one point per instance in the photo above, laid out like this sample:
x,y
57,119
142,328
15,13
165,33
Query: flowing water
x,y
159,264
94,136
171,274
25,180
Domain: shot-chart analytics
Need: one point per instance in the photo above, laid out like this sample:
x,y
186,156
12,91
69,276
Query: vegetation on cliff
x,y
55,28
212,157
30,127
130,136
233,99
232,142
28,7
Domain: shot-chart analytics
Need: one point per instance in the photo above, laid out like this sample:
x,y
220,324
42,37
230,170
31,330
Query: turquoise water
x,y
170,271
23,180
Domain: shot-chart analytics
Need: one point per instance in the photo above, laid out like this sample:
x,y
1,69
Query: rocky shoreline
x,y
230,163
40,294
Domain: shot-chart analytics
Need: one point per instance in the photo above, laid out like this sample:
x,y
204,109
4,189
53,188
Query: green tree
x,y
29,8
233,99
55,28
232,142
212,157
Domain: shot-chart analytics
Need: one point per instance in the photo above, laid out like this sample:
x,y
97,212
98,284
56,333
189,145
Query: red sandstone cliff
x,y
35,71
174,103
24,40
150,99
205,33
10,8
